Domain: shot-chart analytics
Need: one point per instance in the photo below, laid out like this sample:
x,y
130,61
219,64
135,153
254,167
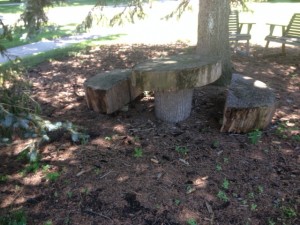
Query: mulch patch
x,y
187,173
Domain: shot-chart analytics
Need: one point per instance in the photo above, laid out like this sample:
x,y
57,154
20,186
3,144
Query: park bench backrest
x,y
293,29
233,23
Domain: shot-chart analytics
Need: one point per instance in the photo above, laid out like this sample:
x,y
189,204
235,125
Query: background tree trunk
x,y
213,37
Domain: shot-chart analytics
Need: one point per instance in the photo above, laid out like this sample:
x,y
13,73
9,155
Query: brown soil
x,y
103,182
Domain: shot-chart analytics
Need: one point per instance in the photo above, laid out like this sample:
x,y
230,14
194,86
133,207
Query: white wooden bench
x,y
235,29
290,33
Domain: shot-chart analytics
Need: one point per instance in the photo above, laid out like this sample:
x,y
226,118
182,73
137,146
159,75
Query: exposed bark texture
x,y
173,80
250,105
185,71
173,106
213,34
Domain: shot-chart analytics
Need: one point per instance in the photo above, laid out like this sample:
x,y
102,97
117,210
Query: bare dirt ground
x,y
136,169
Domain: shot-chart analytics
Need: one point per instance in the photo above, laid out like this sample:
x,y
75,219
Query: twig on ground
x,y
209,209
97,214
106,174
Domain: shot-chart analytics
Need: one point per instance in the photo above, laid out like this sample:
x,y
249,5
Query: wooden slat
x,y
291,35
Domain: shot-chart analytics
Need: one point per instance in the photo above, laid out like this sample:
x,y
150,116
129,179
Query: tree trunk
x,y
213,37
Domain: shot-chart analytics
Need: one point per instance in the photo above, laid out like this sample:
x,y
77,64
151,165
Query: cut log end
x,y
109,92
250,105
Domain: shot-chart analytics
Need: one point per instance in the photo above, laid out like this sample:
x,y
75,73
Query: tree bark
x,y
213,39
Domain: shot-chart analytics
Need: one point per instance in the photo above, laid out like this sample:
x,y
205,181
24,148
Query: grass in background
x,y
80,2
47,33
10,8
60,53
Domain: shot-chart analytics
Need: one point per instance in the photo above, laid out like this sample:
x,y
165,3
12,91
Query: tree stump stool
x,y
250,105
173,79
110,91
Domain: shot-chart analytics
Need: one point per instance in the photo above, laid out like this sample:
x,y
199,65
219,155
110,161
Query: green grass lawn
x,y
58,53
55,29
47,33
10,9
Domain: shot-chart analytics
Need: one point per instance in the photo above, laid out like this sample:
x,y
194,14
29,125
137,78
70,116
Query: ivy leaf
x,y
68,125
8,120
75,136
33,155
52,126
28,134
4,140
45,137
24,123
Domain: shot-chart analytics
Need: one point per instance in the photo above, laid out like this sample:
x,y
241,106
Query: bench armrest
x,y
249,27
272,27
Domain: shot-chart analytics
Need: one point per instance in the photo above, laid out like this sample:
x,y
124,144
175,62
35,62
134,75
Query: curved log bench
x,y
173,79
250,105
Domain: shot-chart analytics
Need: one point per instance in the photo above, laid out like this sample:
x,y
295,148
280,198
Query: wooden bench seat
x,y
235,29
290,33
171,78
109,91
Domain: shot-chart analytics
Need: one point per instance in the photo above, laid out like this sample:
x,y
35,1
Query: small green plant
x,y
255,136
3,178
189,188
97,171
289,212
69,194
218,167
282,129
177,202
108,138
45,168
14,218
253,207
225,184
271,222
285,130
226,160
181,150
222,195
53,176
260,189
48,222
215,144
251,195
296,137
23,155
191,221
138,152
157,206
31,168
85,191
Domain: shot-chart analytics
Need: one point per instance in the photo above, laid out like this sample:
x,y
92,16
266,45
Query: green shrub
x,y
14,218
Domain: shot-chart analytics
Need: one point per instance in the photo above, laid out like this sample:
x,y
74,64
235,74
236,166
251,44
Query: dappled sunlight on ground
x,y
181,170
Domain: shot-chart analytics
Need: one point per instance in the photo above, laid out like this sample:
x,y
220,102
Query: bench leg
x,y
173,106
283,49
235,46
247,47
266,47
